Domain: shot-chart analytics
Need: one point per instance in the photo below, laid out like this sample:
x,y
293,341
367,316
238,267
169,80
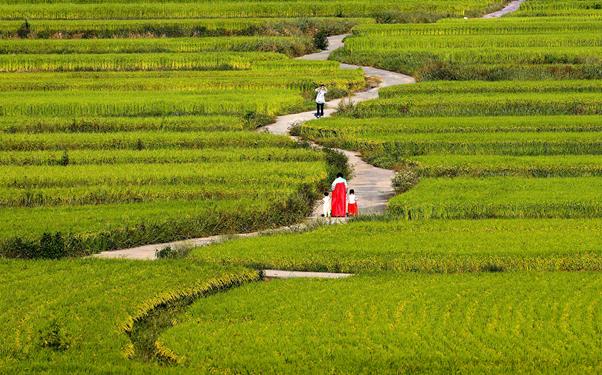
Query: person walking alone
x,y
320,100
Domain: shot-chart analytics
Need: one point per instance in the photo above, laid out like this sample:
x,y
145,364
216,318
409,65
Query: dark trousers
x,y
320,109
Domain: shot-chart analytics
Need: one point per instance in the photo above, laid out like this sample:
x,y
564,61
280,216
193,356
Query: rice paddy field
x,y
128,137
125,123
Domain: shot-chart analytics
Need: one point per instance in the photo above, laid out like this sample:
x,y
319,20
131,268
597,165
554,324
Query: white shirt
x,y
326,206
352,199
337,181
321,97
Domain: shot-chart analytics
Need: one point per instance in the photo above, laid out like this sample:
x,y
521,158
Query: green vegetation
x,y
124,123
488,323
509,48
196,27
500,197
583,8
76,315
423,246
385,11
132,136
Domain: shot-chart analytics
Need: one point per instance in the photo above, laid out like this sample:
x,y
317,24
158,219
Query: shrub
x,y
54,337
405,179
255,120
321,40
24,30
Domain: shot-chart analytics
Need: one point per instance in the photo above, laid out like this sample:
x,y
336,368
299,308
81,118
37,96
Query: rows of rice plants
x,y
292,46
195,27
500,197
473,132
431,246
388,323
133,62
562,48
246,9
77,315
112,143
296,75
539,8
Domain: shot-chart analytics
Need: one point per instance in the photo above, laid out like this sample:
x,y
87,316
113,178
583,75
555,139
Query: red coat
x,y
339,200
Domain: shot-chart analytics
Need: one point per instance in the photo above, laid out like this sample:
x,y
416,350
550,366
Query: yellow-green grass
x,y
500,197
387,323
74,316
433,246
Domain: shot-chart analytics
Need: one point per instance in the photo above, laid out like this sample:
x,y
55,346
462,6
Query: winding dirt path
x,y
372,184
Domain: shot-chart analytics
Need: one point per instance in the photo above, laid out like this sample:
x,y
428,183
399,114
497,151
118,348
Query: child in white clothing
x,y
326,205
352,209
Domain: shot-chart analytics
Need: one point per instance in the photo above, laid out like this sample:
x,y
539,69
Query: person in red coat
x,y
339,197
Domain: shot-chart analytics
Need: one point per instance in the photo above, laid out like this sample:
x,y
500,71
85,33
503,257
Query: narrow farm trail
x,y
511,7
373,184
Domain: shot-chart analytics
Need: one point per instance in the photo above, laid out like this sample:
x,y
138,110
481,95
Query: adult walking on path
x,y
339,197
320,100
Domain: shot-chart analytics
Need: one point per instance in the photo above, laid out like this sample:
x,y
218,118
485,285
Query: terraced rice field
x,y
114,142
539,139
400,323
133,122
516,48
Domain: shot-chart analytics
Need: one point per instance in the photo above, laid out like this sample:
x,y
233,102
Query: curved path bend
x,y
372,184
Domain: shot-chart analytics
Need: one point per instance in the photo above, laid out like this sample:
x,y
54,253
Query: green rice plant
x,y
338,127
162,156
129,62
29,124
274,173
137,141
513,49
76,103
493,165
504,323
489,104
431,246
292,74
246,9
518,144
479,27
119,28
292,46
89,229
500,197
82,323
560,8
468,87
